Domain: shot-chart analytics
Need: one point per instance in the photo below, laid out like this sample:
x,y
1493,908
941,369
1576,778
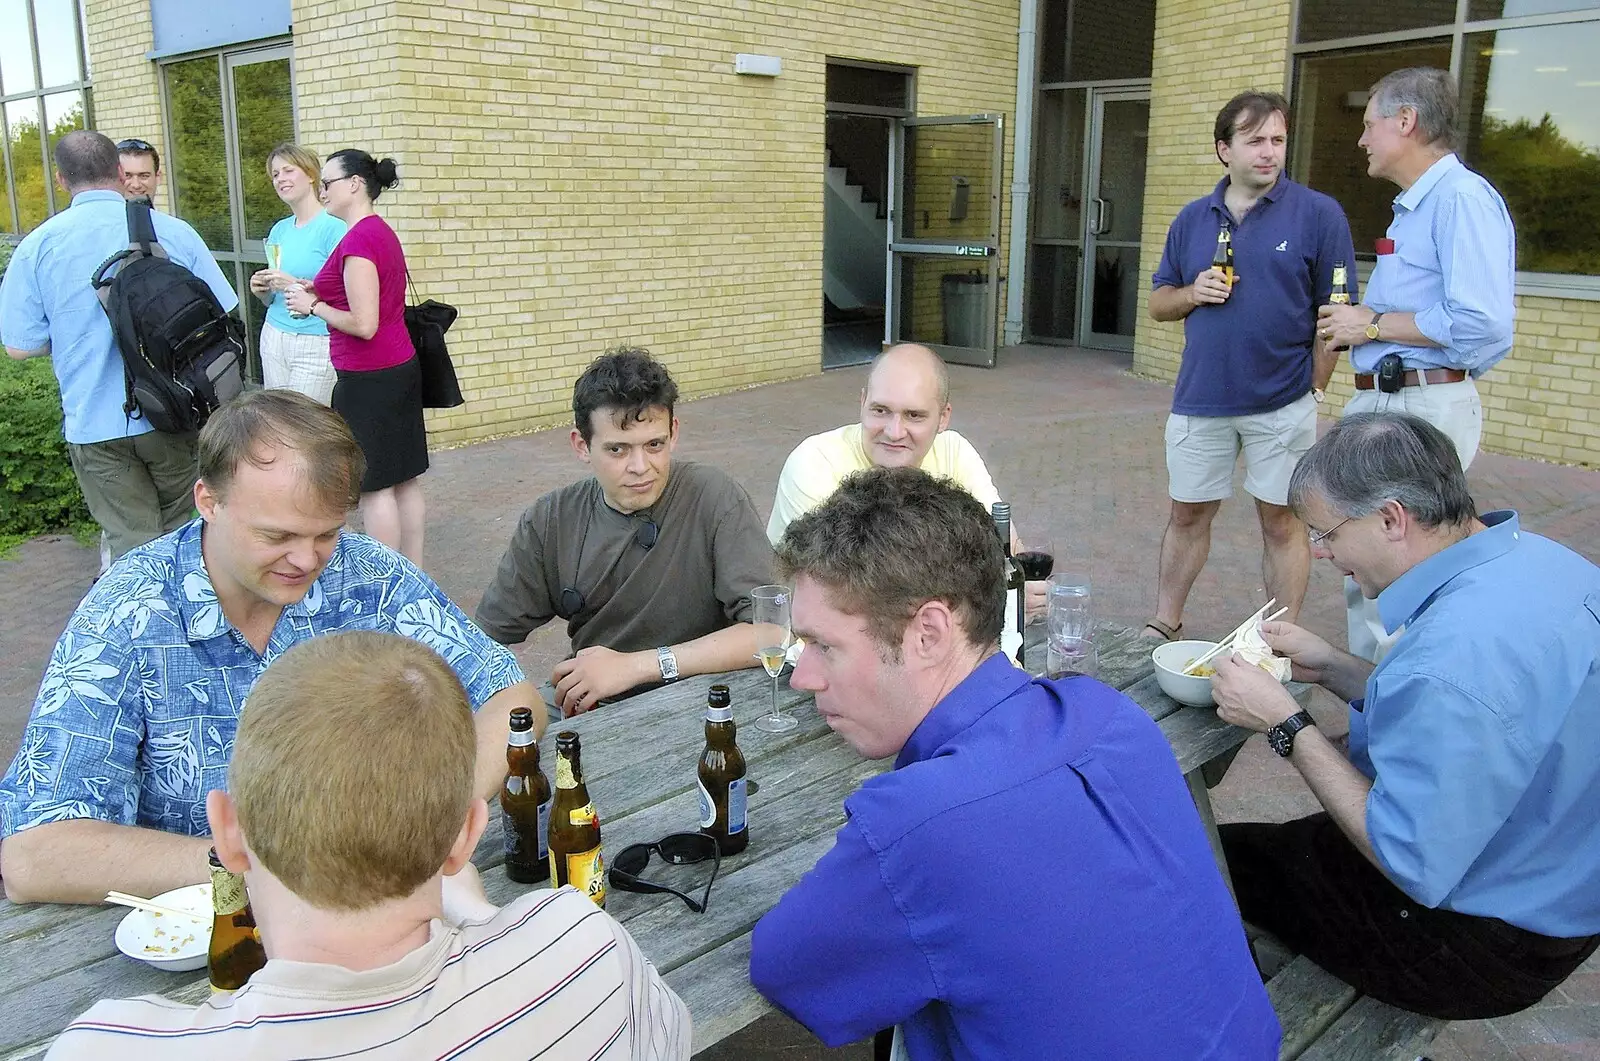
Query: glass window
x,y
1531,118
60,58
27,161
1096,41
16,49
6,215
1330,97
867,87
264,117
1325,20
63,113
1058,165
199,165
1486,9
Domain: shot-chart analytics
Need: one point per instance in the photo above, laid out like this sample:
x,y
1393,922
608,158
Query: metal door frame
x,y
1098,98
987,251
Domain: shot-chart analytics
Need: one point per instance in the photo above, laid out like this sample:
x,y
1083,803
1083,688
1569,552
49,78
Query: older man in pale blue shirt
x,y
1456,871
138,482
1439,304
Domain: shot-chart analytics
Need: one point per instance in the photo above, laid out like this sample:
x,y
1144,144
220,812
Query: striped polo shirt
x,y
549,976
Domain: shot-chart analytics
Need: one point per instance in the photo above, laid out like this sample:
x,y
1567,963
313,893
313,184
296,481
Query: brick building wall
x,y
127,101
577,175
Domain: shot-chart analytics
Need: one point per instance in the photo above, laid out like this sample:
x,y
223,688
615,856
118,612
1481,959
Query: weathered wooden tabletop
x,y
639,760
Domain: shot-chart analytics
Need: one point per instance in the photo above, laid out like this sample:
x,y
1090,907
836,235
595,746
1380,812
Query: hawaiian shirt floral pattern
x,y
135,718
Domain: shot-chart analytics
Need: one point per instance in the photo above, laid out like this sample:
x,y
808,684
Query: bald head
x,y
904,406
87,159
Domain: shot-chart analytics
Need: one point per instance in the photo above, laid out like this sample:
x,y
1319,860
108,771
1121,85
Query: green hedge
x,y
38,493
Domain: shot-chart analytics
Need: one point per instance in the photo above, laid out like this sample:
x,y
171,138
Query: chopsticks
x,y
137,903
1228,641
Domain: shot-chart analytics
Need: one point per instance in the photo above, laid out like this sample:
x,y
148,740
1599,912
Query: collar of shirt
x,y
1412,197
1219,197
1410,593
95,194
991,682
198,607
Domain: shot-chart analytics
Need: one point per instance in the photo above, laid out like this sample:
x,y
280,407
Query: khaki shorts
x,y
1202,452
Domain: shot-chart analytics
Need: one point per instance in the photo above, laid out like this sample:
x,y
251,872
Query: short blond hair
x,y
352,768
301,158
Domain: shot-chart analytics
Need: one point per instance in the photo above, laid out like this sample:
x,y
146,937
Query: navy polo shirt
x,y
1252,354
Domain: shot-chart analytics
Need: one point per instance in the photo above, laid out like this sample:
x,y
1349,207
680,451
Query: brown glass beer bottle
x,y
236,952
722,777
1222,257
574,826
525,805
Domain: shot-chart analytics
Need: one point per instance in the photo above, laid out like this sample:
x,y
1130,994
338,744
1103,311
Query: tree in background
x,y
1552,187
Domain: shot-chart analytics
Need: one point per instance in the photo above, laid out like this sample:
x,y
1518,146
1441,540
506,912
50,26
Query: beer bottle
x,y
236,952
721,780
1010,641
1222,257
574,826
1340,295
525,805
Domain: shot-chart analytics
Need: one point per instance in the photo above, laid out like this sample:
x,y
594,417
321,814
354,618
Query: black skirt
x,y
384,410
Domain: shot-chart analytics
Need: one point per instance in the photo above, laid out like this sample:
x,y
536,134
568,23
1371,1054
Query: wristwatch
x,y
1318,395
668,662
1280,738
1372,326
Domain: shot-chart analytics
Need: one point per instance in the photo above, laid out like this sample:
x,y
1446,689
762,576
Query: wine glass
x,y
772,610
1037,558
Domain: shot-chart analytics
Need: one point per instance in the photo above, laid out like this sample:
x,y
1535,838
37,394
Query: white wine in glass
x,y
772,609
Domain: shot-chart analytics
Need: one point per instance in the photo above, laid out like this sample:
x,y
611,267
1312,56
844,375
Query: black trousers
x,y
1305,882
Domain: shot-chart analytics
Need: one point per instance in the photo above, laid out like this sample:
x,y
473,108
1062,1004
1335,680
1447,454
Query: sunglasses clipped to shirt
x,y
677,849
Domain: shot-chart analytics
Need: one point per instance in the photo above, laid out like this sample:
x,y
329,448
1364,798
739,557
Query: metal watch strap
x,y
668,663
1281,737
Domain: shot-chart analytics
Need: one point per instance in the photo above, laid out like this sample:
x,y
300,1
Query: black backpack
x,y
182,355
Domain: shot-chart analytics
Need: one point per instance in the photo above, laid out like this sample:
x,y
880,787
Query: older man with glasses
x,y
1455,868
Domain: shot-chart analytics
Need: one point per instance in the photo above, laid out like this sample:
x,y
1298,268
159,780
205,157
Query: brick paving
x,y
1073,441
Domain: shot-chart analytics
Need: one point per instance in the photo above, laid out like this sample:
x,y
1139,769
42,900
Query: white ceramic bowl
x,y
1170,659
175,944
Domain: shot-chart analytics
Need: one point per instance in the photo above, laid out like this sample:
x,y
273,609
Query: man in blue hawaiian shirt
x,y
135,718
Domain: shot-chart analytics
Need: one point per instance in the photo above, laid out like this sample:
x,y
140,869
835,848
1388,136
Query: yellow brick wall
x,y
578,174
1541,401
1205,53
127,101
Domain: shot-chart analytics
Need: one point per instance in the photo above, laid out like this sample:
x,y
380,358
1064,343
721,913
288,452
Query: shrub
x,y
38,492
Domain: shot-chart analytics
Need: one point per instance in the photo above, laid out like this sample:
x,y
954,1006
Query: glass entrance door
x,y
944,235
1113,212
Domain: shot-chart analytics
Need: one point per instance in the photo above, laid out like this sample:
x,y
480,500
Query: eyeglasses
x,y
336,180
134,145
678,849
1318,537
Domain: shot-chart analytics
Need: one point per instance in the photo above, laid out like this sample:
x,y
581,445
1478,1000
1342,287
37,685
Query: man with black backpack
x,y
134,460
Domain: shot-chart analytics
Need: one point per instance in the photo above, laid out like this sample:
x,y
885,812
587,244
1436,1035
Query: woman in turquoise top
x,y
294,350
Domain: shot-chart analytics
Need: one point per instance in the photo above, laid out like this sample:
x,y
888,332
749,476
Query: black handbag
x,y
427,321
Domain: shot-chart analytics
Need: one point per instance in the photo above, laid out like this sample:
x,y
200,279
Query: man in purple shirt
x,y
1032,878
1252,374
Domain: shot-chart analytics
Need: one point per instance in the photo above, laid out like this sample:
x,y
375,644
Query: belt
x,y
1366,381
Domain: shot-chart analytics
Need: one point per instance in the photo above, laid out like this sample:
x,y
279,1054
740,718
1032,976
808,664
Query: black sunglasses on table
x,y
678,849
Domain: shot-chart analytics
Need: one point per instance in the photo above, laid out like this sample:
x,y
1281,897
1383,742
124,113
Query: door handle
x,y
1102,216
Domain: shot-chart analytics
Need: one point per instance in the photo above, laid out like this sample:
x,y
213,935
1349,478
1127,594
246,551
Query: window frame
x,y
38,94
1543,285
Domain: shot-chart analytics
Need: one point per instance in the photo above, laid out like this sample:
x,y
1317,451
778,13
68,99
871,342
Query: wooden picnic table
x,y
639,761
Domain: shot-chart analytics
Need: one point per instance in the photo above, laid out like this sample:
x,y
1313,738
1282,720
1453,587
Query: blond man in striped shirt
x,y
350,812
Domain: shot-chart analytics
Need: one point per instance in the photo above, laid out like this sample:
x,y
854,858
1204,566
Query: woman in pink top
x,y
361,294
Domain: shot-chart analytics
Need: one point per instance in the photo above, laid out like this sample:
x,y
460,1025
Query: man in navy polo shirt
x,y
1252,374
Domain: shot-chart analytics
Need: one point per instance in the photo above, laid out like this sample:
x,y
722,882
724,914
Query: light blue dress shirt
x,y
1454,265
1481,732
46,298
135,718
304,249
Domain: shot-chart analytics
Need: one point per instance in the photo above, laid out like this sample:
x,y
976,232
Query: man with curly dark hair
x,y
650,562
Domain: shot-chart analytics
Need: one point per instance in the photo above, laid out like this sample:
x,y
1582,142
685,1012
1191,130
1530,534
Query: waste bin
x,y
961,296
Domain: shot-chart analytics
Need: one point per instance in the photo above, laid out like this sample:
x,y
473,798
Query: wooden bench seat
x,y
1325,1019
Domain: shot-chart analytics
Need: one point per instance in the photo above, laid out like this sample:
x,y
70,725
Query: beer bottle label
x,y
227,892
564,778
708,809
583,815
544,830
736,807
587,873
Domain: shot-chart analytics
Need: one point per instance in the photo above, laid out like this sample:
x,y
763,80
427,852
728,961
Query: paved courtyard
x,y
1073,441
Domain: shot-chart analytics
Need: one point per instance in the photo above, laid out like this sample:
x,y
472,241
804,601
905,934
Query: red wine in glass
x,y
1035,564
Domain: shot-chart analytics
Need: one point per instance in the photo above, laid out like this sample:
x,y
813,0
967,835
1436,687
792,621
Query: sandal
x,y
1168,633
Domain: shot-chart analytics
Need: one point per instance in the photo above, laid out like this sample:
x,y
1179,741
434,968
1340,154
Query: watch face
x,y
1279,741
